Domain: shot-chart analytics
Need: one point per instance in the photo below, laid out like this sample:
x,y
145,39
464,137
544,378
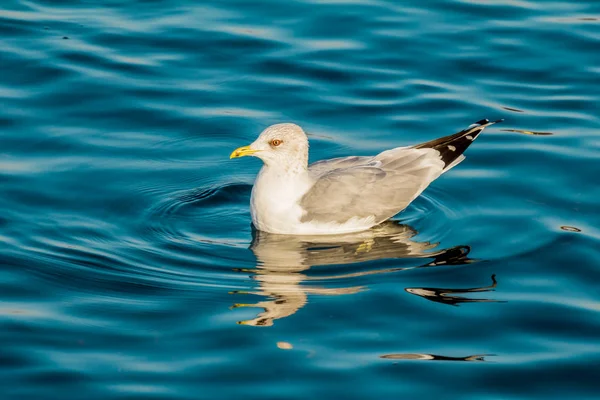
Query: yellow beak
x,y
242,151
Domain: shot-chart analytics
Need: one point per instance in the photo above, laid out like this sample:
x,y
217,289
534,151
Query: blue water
x,y
129,268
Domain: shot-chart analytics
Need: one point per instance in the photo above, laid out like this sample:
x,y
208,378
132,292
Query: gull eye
x,y
275,142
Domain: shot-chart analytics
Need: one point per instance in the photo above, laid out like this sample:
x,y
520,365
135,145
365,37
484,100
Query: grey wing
x,y
377,187
383,185
320,168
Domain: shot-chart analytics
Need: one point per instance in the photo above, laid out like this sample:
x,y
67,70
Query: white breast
x,y
274,201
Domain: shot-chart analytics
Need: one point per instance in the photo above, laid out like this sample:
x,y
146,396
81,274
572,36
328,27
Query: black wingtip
x,y
486,121
451,147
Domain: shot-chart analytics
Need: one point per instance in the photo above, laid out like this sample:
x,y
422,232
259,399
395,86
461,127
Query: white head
x,y
281,146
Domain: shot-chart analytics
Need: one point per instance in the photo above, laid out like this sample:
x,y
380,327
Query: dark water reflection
x,y
433,357
451,296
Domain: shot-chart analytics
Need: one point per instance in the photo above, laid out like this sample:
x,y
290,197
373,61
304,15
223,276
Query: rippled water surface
x,y
129,267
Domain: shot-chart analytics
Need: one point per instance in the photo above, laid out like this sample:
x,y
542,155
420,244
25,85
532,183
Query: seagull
x,y
346,194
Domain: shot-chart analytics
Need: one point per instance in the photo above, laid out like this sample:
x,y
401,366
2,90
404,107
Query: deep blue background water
x,y
125,263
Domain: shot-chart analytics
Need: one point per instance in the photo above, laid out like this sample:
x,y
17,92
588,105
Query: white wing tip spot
x,y
451,148
469,137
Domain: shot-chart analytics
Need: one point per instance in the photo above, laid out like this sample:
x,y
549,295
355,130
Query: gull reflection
x,y
449,296
282,261
434,357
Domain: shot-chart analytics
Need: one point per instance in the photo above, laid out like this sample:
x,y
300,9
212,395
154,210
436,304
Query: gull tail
x,y
452,147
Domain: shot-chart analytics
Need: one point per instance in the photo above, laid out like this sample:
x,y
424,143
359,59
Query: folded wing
x,y
379,187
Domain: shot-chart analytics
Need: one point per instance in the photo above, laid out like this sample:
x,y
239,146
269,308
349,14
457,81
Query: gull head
x,y
280,145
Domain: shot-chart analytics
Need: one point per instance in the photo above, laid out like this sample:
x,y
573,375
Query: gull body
x,y
342,195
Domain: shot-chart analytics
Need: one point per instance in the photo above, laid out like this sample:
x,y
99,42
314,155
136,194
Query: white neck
x,y
275,196
291,166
